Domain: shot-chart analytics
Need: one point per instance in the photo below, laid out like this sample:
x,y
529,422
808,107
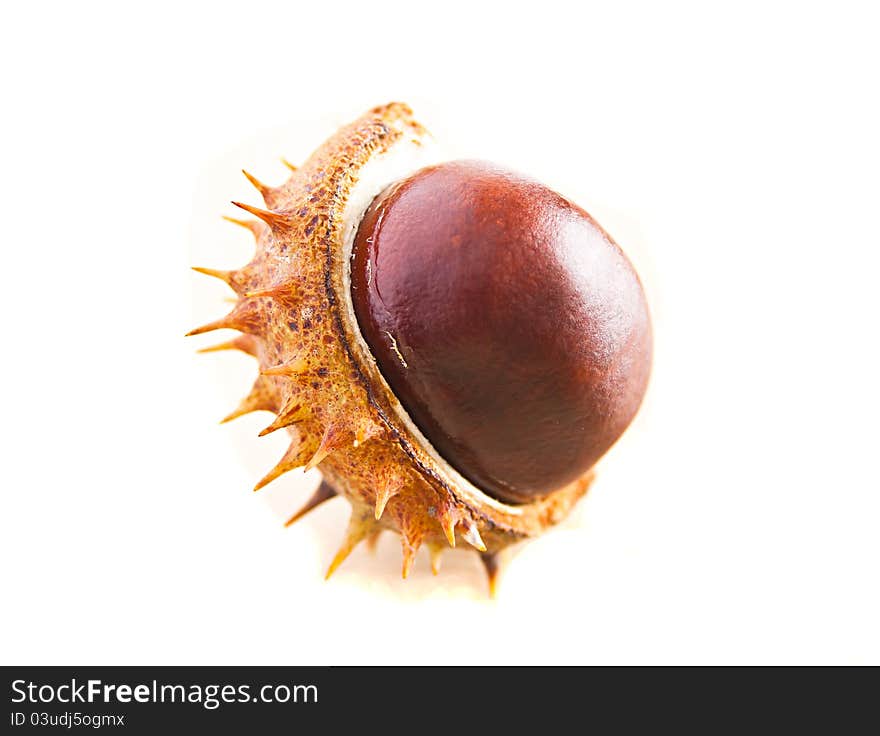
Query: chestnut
x,y
509,324
452,345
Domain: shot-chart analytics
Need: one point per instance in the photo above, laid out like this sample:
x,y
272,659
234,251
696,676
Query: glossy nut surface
x,y
509,325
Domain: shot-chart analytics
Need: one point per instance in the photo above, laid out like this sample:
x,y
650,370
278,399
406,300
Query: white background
x,y
733,152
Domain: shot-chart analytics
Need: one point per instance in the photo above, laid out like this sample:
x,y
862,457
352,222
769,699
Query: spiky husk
x,y
318,377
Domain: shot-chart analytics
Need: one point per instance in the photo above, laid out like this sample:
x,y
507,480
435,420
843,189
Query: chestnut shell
x,y
319,377
509,324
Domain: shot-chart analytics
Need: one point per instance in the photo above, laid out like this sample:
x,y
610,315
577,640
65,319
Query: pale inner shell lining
x,y
406,156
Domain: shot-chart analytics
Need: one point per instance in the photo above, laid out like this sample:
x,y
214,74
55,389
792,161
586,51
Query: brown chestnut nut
x,y
508,323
